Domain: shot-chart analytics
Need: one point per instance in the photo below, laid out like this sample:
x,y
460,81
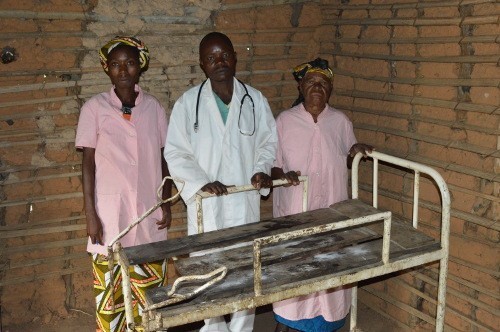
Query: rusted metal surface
x,y
258,243
293,274
241,258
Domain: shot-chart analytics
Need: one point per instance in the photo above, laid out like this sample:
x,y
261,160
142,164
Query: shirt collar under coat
x,y
213,109
117,103
238,91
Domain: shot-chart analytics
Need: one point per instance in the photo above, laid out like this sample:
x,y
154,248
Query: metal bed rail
x,y
336,225
238,189
417,168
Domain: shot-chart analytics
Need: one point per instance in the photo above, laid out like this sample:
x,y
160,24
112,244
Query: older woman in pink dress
x,y
314,139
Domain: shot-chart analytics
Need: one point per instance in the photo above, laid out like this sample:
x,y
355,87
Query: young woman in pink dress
x,y
122,133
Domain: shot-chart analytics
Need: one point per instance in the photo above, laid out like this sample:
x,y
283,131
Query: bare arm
x,y
167,192
94,225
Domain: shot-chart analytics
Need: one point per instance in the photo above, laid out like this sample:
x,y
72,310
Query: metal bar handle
x,y
200,195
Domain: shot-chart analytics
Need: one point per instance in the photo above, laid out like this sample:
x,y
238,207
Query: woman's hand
x,y
166,219
292,177
94,229
360,147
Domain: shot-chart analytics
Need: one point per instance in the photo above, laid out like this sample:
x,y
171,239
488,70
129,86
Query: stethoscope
x,y
246,95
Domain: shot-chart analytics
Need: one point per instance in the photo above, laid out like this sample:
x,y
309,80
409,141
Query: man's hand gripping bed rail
x,y
248,187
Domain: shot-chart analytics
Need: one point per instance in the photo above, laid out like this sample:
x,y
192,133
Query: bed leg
x,y
441,300
126,286
354,308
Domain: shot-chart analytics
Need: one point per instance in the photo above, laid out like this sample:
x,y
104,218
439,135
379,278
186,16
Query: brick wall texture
x,y
419,79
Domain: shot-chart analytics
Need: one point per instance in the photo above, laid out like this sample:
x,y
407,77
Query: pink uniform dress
x,y
320,151
128,164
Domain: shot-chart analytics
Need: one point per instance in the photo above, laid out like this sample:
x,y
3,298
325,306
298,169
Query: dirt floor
x,y
368,321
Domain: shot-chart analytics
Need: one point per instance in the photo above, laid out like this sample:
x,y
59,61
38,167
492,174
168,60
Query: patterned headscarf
x,y
316,66
123,40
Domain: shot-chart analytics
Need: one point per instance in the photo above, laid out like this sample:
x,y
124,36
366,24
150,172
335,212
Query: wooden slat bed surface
x,y
234,235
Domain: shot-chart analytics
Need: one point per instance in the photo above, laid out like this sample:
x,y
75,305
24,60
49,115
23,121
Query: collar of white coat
x,y
238,91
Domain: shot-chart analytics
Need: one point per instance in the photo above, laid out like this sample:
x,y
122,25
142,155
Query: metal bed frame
x,y
162,310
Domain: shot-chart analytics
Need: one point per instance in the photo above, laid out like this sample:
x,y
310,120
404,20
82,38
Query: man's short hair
x,y
216,35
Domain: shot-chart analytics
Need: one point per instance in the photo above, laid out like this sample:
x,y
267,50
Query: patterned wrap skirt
x,y
142,278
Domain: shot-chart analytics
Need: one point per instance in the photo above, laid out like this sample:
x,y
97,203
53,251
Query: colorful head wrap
x,y
129,41
316,66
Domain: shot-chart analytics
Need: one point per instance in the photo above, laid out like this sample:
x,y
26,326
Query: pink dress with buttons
x,y
128,164
320,151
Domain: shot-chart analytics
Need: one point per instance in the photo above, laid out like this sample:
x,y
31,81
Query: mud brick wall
x,y
45,271
419,80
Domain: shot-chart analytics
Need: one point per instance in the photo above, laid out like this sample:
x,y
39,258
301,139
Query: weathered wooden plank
x,y
402,233
282,275
230,236
293,249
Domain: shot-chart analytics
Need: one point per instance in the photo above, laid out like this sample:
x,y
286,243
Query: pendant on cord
x,y
127,111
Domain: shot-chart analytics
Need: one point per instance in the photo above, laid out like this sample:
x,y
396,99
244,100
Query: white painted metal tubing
x,y
355,176
200,195
416,194
354,308
445,215
248,187
199,214
115,247
305,192
126,287
386,240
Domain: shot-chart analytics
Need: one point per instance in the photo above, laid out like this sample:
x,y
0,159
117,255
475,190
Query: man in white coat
x,y
222,133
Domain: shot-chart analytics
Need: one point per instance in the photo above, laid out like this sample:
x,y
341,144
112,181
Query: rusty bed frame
x,y
203,294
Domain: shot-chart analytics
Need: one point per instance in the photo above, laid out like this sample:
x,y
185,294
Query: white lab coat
x,y
219,152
